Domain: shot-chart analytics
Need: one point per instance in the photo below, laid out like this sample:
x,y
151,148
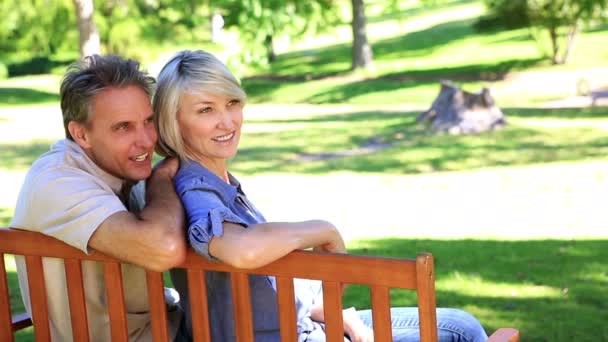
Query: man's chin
x,y
139,175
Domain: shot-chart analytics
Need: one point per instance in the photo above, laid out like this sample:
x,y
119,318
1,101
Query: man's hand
x,y
356,330
161,178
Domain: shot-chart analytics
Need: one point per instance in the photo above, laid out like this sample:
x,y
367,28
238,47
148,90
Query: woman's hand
x,y
356,330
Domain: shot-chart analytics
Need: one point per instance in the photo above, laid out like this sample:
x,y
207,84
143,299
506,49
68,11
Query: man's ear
x,y
79,133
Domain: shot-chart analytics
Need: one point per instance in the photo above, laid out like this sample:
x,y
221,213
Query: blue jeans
x,y
452,325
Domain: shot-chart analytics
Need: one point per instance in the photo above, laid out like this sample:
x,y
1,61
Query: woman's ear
x,y
79,133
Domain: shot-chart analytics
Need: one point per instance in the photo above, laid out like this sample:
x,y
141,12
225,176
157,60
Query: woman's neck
x,y
217,166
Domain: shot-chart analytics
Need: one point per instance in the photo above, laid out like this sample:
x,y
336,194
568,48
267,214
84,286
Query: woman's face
x,y
210,125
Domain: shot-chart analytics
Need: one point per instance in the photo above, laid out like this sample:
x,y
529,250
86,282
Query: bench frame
x,y
379,273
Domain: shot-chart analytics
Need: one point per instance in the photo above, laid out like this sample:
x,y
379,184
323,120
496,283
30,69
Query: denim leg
x,y
452,325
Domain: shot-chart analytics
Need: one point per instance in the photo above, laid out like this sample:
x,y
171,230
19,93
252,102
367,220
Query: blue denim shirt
x,y
209,201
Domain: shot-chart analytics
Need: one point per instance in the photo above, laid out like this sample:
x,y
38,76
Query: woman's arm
x,y
263,243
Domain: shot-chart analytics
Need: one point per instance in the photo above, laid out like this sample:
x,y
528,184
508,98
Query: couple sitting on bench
x,y
88,192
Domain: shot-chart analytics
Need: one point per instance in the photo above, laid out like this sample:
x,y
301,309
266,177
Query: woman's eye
x,y
233,103
204,110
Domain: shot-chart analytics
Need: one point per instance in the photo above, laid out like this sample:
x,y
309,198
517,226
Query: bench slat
x,y
425,279
6,326
197,290
287,309
78,311
345,268
332,307
40,314
116,301
158,305
381,313
241,301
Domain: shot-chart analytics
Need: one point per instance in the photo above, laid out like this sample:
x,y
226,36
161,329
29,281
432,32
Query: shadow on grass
x,y
536,286
410,149
21,156
21,96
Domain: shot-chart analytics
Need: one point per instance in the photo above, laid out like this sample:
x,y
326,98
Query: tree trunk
x,y
270,54
571,38
554,44
456,111
89,36
362,52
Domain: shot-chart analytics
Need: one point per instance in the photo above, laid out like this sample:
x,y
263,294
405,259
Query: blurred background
x,y
337,91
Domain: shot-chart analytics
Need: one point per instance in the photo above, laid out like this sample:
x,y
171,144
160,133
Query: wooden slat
x,y
158,305
6,326
425,279
116,301
346,268
23,242
332,306
241,300
37,289
197,290
21,321
78,311
287,309
381,313
504,335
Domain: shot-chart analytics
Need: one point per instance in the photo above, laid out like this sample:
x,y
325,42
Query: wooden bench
x,y
380,274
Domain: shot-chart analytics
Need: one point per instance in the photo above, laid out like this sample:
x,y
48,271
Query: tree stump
x,y
456,111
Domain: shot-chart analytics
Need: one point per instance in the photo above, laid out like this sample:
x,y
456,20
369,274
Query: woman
x,y
199,115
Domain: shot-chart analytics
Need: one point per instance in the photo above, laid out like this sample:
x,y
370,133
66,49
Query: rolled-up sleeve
x,y
206,214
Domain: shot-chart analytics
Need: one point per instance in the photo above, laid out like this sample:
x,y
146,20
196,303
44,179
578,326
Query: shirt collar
x,y
75,151
228,191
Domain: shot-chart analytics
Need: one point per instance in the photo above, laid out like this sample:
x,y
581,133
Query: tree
x,y
35,28
562,19
362,56
89,36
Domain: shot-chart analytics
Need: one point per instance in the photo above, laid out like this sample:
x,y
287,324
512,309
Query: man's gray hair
x,y
91,75
188,71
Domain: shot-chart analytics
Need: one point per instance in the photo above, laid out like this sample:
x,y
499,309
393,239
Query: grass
x,y
337,142
428,47
537,286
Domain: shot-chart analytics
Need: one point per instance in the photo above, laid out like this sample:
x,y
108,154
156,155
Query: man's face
x,y
120,135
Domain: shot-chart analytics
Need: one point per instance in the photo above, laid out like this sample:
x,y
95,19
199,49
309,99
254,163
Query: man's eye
x,y
122,127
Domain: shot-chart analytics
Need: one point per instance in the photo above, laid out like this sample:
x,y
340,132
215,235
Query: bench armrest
x,y
504,335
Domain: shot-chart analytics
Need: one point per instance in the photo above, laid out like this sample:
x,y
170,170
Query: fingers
x,y
167,166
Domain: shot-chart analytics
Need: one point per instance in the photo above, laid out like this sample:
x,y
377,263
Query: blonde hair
x,y
188,71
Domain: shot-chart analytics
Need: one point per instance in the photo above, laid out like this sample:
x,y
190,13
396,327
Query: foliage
x,y
260,22
38,27
3,71
510,14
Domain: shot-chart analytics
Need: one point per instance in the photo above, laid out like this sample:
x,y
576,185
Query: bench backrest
x,y
380,274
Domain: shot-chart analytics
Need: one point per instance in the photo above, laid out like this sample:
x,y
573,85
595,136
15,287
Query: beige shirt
x,y
67,196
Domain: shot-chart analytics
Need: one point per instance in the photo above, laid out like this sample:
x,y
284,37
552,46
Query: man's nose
x,y
146,137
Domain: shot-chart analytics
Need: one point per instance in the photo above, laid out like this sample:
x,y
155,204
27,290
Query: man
x,y
81,192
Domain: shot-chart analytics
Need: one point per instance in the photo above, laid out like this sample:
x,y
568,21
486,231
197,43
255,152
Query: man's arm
x,y
156,239
263,243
